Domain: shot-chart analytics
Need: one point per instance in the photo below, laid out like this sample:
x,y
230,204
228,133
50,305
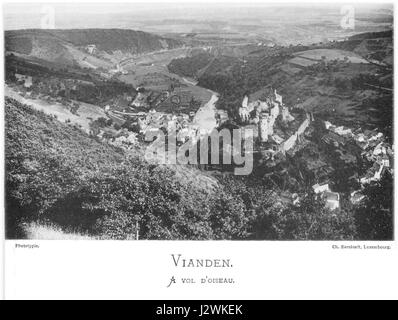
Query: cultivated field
x,y
302,62
151,72
330,54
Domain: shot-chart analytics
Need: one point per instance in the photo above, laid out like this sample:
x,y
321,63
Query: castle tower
x,y
243,111
286,116
264,127
278,98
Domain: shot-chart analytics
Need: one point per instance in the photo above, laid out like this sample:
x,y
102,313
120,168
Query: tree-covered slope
x,y
109,40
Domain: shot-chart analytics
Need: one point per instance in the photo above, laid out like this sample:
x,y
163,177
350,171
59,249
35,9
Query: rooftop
x,y
331,196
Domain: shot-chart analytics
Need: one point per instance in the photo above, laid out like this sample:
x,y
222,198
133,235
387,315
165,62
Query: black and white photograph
x,y
199,121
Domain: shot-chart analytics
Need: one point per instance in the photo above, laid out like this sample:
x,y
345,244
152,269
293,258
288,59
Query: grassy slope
x,y
29,131
44,160
86,112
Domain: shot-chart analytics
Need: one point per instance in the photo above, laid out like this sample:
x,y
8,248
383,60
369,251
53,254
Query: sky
x,y
133,15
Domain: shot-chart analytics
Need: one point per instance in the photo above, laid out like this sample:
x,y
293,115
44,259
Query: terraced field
x,y
330,54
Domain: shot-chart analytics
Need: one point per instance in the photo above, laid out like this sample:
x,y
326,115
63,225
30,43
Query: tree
x,y
102,122
374,218
150,197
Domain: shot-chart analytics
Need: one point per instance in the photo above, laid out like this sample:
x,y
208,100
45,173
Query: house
x,y
288,198
332,200
91,48
328,125
363,144
374,174
357,197
360,137
385,161
343,131
320,188
373,135
151,134
132,139
183,135
26,80
222,116
140,100
277,139
380,149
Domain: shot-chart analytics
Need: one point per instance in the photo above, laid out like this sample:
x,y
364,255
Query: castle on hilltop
x,y
264,112
277,130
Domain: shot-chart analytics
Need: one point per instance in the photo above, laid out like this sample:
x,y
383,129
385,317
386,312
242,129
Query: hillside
x,y
65,82
67,46
57,175
348,81
190,66
377,46
61,183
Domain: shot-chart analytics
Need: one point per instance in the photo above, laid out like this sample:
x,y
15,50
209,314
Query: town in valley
x,y
315,98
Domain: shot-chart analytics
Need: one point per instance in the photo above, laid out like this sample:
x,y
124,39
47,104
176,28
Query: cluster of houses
x,y
186,129
266,114
332,199
123,139
263,44
150,123
25,80
91,49
372,147
142,112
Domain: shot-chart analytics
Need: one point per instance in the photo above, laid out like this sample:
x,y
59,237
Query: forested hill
x,y
372,35
109,40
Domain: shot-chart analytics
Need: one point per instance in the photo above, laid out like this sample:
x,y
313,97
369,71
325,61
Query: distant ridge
x,y
372,35
107,40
